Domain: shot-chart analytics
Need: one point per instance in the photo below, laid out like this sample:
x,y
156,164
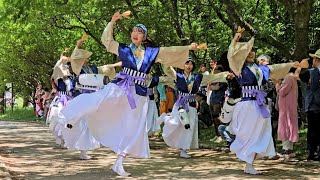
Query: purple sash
x,y
63,98
260,97
183,101
127,81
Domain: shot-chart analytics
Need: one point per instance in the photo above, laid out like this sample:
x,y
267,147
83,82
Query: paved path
x,y
29,152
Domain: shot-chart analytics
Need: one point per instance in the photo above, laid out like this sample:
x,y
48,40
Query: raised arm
x,y
175,56
59,70
238,53
167,81
59,62
109,69
220,77
64,53
169,72
107,35
117,64
78,57
279,71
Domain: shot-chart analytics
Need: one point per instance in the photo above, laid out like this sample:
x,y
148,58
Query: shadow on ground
x,y
29,152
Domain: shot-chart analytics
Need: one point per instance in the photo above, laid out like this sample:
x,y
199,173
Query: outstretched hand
x,y
65,59
237,37
194,46
79,43
304,63
230,76
296,64
66,50
116,16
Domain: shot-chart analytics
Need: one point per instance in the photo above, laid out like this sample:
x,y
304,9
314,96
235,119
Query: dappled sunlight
x,y
30,152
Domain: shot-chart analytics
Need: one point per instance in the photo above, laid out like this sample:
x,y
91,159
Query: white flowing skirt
x,y
55,126
79,137
112,122
152,116
175,135
253,132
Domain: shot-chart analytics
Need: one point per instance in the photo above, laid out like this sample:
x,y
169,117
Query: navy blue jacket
x,y
312,99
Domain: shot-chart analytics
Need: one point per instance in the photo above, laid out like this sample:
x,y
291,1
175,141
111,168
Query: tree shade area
x,y
34,33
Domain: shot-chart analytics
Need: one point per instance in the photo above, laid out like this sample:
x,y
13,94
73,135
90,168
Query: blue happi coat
x,y
182,85
128,61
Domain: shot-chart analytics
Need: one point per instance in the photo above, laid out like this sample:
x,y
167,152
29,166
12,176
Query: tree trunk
x,y
301,16
25,101
300,12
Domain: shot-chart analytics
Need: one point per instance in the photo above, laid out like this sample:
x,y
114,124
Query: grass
x,y
208,139
300,147
19,113
26,114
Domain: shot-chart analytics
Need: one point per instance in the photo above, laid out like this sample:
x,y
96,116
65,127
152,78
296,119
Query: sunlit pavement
x,y
29,152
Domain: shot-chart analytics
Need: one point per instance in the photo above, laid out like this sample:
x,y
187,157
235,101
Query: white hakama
x,y
175,135
152,116
112,122
55,126
253,132
79,137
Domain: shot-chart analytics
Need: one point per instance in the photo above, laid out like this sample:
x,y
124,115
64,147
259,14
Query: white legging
x,y
287,145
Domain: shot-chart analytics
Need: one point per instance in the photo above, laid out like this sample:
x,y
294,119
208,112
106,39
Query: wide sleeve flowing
x,y
108,41
220,77
78,57
237,54
279,71
175,56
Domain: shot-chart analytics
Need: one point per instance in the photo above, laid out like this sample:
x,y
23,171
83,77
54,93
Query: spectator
x,y
313,108
203,69
288,128
213,64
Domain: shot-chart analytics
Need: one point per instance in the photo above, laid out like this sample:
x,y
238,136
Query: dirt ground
x,y
28,151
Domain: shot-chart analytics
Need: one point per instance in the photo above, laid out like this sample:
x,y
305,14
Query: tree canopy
x,y
34,32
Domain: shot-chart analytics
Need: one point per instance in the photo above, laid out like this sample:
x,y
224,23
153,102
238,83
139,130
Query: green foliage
x,y
34,33
19,114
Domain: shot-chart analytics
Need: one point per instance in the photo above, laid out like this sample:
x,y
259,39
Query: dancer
x,y
118,112
180,129
64,83
79,137
251,117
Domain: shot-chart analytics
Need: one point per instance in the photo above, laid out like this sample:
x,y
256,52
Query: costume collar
x,y
134,47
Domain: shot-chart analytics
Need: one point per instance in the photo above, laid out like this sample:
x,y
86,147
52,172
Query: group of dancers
x,y
89,111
